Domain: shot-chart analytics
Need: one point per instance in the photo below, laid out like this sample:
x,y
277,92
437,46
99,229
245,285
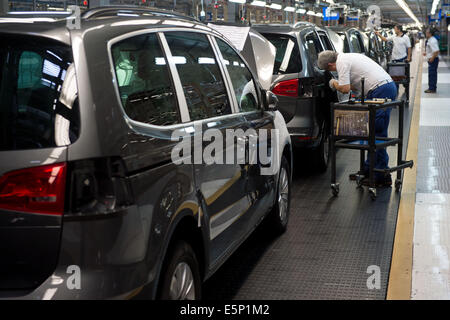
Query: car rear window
x,y
287,58
38,94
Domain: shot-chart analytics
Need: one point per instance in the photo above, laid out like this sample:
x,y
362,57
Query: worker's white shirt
x,y
351,67
400,47
432,46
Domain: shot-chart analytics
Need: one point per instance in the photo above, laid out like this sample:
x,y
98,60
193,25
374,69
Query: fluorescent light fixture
x,y
319,14
238,1
434,6
402,4
258,3
301,11
276,6
204,60
160,61
311,13
179,60
289,9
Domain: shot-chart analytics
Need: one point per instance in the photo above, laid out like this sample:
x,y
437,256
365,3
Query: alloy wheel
x,y
182,285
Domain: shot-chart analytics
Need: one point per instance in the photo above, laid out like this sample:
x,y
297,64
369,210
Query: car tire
x,y
321,155
279,216
180,278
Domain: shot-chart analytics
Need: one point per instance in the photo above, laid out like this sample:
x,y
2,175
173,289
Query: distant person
x,y
351,68
401,51
432,54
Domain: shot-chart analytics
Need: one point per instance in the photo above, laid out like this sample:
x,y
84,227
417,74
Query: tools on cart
x,y
353,127
400,73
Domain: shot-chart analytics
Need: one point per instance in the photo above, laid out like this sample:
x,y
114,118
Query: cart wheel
x,y
373,193
398,185
335,189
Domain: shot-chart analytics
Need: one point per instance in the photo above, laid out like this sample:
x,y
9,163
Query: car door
x,y
220,183
259,125
314,47
355,43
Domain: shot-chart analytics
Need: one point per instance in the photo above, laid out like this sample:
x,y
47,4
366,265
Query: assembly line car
x,y
375,49
301,87
92,204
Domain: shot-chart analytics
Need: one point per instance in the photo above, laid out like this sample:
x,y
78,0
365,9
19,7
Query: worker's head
x,y
429,33
398,30
327,60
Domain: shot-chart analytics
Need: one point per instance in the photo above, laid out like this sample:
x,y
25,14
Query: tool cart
x,y
354,128
399,72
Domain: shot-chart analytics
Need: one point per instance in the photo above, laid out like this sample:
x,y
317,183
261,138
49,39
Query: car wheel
x,y
181,276
321,155
280,212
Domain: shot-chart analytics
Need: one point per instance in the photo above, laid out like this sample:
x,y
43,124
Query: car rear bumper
x,y
302,121
100,258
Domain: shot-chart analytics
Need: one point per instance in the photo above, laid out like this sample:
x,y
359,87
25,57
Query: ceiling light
x,y
301,11
408,11
238,1
434,7
275,6
258,3
289,9
311,13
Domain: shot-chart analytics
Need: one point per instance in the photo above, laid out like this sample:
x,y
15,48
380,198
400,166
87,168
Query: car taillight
x,y
288,88
34,190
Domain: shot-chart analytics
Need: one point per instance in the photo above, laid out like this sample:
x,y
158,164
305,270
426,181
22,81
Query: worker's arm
x,y
341,88
435,54
434,46
381,37
409,55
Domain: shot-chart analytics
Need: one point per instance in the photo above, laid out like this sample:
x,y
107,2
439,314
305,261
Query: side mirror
x,y
271,101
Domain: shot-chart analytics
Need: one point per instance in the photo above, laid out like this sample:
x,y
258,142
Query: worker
x,y
432,54
401,51
351,68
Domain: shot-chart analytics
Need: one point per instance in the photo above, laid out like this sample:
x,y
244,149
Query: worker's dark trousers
x,y
432,74
389,91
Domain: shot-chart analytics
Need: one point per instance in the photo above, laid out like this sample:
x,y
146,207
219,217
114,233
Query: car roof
x,y
54,25
282,28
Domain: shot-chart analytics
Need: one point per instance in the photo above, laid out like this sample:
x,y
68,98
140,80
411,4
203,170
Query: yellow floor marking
x,y
400,276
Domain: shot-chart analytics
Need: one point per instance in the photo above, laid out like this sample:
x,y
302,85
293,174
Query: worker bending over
x,y
351,68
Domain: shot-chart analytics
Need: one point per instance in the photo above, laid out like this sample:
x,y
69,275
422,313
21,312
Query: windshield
x,y
38,94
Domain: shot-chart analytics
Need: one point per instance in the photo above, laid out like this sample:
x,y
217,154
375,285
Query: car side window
x,y
346,45
200,75
243,83
313,46
145,87
326,42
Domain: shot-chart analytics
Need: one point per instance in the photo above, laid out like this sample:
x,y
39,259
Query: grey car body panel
x,y
122,251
